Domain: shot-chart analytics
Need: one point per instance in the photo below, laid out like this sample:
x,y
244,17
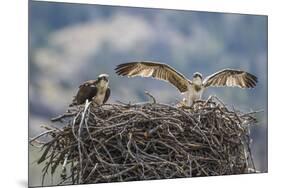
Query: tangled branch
x,y
125,142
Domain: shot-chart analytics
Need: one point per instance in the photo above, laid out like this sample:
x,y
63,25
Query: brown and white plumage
x,y
231,78
156,70
192,88
93,90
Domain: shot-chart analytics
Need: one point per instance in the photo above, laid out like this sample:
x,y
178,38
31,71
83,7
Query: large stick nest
x,y
145,141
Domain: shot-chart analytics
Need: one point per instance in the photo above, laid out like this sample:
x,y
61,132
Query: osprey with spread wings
x,y
192,89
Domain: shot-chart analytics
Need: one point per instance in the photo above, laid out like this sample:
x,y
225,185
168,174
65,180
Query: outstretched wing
x,y
87,90
107,94
231,78
156,70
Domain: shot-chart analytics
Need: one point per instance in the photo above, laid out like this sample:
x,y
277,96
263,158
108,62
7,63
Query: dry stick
x,y
210,141
40,135
65,162
60,117
119,173
250,152
129,146
87,104
92,172
148,94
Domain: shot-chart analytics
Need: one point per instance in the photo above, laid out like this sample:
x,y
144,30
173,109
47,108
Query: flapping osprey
x,y
192,89
95,90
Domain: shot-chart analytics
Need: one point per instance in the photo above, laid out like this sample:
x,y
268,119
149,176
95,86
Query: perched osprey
x,y
192,89
95,90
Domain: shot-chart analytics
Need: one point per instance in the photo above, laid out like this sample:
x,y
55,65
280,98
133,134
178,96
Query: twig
x,y
148,94
124,142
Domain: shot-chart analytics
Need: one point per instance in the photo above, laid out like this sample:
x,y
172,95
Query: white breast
x,y
193,95
99,98
102,87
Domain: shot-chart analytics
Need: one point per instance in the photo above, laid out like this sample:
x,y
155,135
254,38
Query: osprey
x,y
192,89
95,90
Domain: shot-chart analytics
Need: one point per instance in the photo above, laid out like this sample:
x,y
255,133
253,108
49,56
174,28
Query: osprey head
x,y
197,78
103,77
197,75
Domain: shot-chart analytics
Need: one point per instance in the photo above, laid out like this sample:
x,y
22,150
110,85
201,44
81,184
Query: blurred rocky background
x,y
71,43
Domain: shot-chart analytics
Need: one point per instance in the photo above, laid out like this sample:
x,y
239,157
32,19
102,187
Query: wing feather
x,y
156,70
87,90
231,78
